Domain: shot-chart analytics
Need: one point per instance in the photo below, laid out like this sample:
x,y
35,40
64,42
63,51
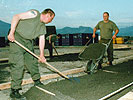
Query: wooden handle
x,y
40,59
55,49
93,40
46,91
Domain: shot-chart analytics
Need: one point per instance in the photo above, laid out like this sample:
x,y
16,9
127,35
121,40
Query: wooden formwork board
x,y
4,59
43,77
120,46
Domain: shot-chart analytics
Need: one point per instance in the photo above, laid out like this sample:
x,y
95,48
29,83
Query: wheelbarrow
x,y
94,53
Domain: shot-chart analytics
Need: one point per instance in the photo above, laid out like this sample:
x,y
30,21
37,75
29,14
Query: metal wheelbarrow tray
x,y
94,53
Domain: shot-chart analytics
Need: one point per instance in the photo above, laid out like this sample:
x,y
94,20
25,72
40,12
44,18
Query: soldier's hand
x,y
93,35
49,42
42,59
11,37
114,36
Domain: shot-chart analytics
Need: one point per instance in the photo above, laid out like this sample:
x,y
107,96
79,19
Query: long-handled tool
x,y
85,46
93,40
54,49
46,91
40,59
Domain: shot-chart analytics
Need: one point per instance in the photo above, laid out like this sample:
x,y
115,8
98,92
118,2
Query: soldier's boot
x,y
15,94
38,83
99,66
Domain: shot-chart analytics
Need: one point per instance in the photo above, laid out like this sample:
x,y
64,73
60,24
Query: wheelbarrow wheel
x,y
91,67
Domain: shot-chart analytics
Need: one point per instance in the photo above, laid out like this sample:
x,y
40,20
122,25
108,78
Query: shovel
x,y
60,73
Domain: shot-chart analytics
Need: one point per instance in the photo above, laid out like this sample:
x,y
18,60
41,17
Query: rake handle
x,y
54,49
40,59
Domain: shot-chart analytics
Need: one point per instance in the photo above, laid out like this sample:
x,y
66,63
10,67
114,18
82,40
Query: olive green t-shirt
x,y
31,28
106,29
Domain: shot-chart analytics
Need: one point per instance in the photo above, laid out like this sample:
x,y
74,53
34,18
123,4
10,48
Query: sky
x,y
73,13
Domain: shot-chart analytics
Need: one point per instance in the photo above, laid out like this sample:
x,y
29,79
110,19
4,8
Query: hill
x,y
81,29
127,31
4,28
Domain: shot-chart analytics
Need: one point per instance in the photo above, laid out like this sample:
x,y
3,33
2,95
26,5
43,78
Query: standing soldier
x,y
106,28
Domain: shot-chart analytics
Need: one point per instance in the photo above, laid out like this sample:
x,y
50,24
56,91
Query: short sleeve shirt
x,y
106,29
31,28
53,38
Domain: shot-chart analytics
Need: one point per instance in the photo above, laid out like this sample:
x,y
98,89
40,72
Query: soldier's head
x,y
105,16
47,16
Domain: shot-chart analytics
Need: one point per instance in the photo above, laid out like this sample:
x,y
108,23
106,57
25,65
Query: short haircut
x,y
50,11
106,13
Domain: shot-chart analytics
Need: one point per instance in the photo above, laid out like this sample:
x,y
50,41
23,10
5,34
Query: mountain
x,y
127,31
4,28
80,29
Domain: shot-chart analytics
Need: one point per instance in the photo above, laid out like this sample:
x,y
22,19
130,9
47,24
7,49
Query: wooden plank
x,y
121,46
4,59
43,77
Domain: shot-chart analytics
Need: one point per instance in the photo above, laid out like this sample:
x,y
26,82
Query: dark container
x,y
87,38
2,42
65,39
70,39
50,30
77,39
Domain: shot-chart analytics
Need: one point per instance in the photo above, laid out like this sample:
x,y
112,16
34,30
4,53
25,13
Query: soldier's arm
x,y
116,32
15,21
41,48
94,31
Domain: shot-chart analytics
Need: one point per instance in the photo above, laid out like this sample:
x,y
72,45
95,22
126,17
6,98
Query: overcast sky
x,y
73,13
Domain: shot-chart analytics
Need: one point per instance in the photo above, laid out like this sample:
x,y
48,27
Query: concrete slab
x,y
128,96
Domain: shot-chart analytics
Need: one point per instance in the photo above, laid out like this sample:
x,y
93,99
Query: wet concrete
x,y
4,73
65,57
90,87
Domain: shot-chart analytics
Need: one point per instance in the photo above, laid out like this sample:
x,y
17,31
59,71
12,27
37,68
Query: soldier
x,y
24,28
106,28
50,39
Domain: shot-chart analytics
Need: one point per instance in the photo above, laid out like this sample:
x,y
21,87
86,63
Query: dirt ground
x,y
68,59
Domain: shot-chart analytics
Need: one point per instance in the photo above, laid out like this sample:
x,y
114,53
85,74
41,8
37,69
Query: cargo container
x,y
65,39
70,39
50,30
2,42
77,39
83,38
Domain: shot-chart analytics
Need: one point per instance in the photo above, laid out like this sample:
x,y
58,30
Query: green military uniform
x,y
26,31
53,38
106,33
48,45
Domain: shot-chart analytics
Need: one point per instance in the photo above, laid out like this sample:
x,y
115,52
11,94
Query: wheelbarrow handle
x,y
40,59
93,40
108,44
